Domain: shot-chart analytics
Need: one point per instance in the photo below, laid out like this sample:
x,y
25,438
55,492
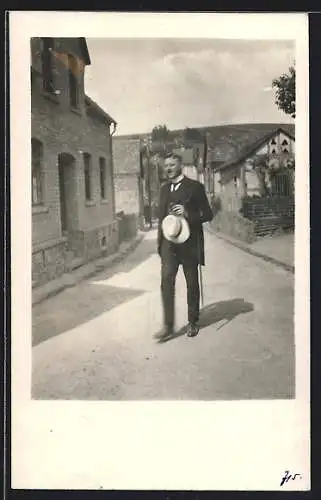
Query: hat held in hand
x,y
175,229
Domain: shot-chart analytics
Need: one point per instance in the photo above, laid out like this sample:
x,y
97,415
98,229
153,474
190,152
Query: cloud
x,y
187,83
211,73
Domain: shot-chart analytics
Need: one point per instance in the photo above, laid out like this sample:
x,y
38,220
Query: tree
x,y
192,134
160,133
268,167
285,92
260,166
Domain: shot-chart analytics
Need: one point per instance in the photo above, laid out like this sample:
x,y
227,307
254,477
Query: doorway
x,y
68,192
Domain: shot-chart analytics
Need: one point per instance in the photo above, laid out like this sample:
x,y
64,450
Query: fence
x,y
281,184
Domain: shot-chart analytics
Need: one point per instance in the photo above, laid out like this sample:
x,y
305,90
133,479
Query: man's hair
x,y
176,156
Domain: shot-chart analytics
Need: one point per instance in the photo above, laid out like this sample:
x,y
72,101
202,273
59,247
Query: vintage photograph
x,y
159,190
163,218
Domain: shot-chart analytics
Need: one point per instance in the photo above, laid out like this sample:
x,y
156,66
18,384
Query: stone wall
x,y
270,214
93,243
258,217
48,262
52,259
233,224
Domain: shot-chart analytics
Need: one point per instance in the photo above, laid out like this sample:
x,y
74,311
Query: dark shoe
x,y
193,330
165,332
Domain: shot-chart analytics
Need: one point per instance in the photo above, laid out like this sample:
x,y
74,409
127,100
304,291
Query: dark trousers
x,y
171,257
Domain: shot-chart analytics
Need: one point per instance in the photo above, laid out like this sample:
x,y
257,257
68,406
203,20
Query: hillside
x,y
218,132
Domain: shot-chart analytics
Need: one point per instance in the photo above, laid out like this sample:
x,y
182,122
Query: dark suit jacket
x,y
198,211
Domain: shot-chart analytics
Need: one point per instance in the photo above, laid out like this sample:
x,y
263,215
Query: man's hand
x,y
178,210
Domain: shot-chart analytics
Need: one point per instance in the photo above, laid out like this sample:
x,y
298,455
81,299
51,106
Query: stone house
x,y
138,171
230,164
127,175
73,206
252,181
128,179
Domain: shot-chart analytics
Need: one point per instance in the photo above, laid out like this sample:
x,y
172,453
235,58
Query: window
x,y
273,152
102,176
273,141
87,175
37,172
285,142
73,81
46,59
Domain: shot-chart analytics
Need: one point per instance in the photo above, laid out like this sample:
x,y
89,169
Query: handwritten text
x,y
287,476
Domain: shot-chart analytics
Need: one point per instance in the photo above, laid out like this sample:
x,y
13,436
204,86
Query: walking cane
x,y
201,284
199,261
200,272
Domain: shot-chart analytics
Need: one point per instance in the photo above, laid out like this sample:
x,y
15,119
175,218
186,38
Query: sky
x,y
186,83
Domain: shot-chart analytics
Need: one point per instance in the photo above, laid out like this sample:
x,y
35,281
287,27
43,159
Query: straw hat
x,y
175,229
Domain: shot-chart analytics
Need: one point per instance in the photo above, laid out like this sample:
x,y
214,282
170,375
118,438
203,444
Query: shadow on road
x,y
78,305
224,310
74,307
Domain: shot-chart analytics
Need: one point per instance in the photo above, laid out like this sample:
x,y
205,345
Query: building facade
x,y
73,206
239,177
128,184
252,180
127,175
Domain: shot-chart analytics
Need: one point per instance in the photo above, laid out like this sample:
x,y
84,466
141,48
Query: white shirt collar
x,y
178,179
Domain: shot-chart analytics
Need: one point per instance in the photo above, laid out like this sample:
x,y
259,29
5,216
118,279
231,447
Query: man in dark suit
x,y
186,198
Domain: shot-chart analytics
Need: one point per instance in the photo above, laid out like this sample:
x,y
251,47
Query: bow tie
x,y
174,187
